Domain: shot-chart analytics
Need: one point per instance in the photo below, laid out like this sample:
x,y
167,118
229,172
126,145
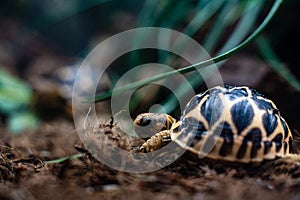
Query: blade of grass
x,y
245,24
253,36
148,14
227,16
202,16
270,56
59,160
167,14
242,29
171,19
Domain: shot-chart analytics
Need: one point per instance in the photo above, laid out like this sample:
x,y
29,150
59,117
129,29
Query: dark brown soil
x,y
25,175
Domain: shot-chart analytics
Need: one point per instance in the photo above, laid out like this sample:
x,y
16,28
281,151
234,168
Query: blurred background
x,y
42,43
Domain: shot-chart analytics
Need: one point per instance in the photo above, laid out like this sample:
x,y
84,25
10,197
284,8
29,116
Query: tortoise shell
x,y
235,124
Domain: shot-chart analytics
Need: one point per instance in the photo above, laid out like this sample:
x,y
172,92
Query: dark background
x,y
40,37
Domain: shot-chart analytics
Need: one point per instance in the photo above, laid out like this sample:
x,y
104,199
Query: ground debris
x,y
24,172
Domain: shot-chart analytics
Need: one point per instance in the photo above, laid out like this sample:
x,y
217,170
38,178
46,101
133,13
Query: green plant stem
x,y
138,84
59,160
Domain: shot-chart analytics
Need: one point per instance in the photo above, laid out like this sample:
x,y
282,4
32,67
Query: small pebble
x,y
110,187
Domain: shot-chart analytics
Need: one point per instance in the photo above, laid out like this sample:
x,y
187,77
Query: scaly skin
x,y
157,141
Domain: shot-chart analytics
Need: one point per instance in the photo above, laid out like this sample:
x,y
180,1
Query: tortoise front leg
x,y
157,141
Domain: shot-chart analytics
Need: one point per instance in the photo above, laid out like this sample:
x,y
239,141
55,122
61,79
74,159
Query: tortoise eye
x,y
144,121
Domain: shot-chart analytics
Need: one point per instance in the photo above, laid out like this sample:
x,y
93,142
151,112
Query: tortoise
x,y
230,123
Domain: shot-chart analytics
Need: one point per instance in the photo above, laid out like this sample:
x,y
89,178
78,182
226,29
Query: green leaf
x,y
21,121
14,93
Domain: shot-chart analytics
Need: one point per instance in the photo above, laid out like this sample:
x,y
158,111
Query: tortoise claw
x,y
166,139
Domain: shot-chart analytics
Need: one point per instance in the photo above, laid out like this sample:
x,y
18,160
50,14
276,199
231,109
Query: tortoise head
x,y
148,124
